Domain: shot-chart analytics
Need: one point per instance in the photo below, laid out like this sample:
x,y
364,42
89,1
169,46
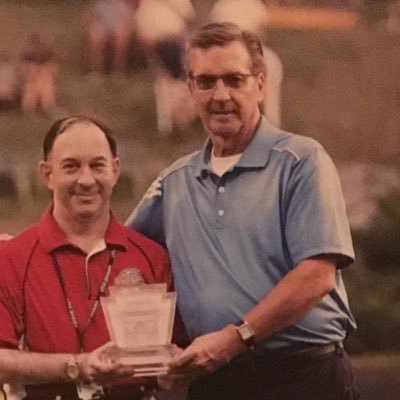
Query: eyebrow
x,y
72,159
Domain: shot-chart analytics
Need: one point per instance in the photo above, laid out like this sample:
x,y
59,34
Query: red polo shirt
x,y
32,301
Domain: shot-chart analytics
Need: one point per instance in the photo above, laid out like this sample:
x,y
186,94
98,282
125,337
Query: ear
x,y
116,168
45,172
261,87
189,83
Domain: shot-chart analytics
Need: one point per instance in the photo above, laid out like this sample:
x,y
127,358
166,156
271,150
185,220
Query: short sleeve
x,y
316,220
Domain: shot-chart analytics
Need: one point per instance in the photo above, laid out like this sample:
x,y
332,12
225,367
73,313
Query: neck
x,y
225,147
84,232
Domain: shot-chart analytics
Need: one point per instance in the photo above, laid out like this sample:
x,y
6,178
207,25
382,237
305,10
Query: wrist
x,y
235,343
71,368
81,360
246,333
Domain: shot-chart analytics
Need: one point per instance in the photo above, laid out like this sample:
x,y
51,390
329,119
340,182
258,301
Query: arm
x,y
38,368
147,217
294,295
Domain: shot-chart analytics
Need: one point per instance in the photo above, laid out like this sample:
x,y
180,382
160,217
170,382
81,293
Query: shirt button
x,y
221,213
221,189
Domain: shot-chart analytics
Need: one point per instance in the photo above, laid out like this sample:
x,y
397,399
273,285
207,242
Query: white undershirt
x,y
220,165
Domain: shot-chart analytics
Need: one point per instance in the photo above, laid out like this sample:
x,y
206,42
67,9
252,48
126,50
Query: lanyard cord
x,y
80,332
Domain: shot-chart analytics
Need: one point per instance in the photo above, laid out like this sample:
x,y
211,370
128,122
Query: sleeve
x,y
11,307
147,217
316,220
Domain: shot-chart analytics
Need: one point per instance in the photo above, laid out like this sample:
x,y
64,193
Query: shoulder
x,y
21,244
185,162
15,255
300,147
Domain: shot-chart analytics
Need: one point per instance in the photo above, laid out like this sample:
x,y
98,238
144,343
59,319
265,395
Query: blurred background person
x,y
110,23
9,82
161,27
39,70
251,15
393,19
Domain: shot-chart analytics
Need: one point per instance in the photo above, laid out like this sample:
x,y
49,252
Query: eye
x,y
234,80
69,166
205,82
98,165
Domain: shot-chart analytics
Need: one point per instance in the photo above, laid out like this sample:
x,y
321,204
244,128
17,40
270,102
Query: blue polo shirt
x,y
231,239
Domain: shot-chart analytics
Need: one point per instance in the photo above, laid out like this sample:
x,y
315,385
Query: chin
x,y
225,129
87,211
88,215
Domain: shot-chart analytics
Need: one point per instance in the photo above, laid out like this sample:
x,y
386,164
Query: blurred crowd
x,y
159,28
30,81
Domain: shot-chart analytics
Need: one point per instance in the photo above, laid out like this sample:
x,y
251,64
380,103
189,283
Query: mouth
x,y
86,196
223,112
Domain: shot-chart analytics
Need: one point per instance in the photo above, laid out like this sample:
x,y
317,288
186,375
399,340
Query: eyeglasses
x,y
207,82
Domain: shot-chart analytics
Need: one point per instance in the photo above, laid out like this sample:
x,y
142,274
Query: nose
x,y
221,91
86,177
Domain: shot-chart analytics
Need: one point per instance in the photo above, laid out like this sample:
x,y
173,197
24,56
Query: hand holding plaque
x,y
140,320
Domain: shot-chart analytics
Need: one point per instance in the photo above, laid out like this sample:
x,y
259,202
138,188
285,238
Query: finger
x,y
108,367
183,360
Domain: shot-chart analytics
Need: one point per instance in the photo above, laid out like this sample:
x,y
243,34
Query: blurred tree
x,y
379,243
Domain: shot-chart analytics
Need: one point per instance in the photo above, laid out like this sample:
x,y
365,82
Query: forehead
x,y
81,140
233,57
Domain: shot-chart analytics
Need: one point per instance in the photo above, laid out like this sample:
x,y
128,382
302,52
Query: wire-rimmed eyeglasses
x,y
234,80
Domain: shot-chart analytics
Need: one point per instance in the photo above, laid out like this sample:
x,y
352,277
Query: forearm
x,y
32,368
292,298
288,302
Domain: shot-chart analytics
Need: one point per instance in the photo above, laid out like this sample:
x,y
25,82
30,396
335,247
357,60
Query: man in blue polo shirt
x,y
256,228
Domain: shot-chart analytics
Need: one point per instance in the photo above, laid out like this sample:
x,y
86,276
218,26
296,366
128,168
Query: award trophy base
x,y
148,361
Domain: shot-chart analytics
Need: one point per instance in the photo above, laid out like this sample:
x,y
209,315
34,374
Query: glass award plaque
x,y
140,321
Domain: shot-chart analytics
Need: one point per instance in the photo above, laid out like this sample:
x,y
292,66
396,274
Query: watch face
x,y
72,370
246,332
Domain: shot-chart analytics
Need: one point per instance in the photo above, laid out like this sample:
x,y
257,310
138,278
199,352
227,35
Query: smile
x,y
85,196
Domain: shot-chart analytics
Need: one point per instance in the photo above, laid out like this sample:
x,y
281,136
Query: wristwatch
x,y
72,369
245,332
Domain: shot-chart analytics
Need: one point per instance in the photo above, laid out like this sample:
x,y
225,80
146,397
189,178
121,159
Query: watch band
x,y
245,332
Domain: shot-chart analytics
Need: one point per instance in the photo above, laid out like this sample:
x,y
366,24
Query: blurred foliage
x,y
374,282
380,242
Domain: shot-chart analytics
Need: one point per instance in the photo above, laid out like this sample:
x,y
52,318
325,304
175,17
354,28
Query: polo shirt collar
x,y
52,236
256,154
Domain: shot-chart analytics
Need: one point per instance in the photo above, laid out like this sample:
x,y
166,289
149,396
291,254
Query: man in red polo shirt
x,y
54,272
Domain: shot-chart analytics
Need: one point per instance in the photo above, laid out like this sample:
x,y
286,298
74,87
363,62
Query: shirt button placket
x,y
220,207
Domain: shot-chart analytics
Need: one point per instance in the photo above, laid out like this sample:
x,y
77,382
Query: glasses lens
x,y
205,82
234,81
